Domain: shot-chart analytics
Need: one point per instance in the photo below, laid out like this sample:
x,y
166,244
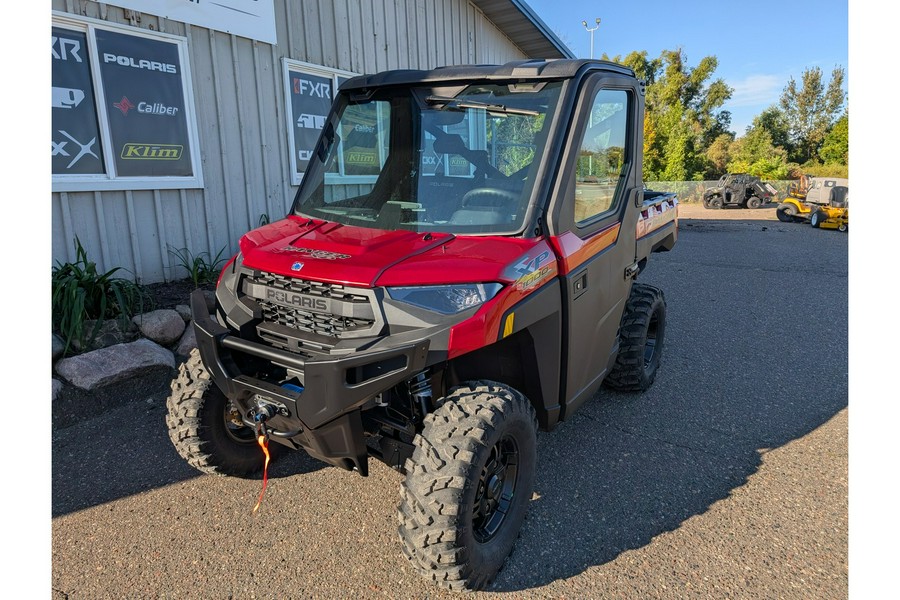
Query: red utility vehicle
x,y
457,271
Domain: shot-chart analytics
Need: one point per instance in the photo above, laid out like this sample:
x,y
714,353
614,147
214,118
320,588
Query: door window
x,y
603,156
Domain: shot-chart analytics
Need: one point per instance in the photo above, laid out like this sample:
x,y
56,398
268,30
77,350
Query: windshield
x,y
462,160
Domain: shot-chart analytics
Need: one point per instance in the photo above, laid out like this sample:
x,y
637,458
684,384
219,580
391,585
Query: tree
x,y
774,121
836,147
683,112
755,154
719,156
811,110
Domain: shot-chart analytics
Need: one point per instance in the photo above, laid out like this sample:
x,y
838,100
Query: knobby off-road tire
x,y
201,429
641,338
468,485
753,202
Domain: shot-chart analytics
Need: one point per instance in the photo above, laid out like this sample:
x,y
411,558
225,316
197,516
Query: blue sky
x,y
757,52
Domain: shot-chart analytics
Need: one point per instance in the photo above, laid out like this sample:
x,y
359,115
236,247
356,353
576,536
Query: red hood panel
x,y
357,256
461,260
330,252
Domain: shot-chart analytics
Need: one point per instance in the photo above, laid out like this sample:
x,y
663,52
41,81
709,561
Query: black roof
x,y
520,69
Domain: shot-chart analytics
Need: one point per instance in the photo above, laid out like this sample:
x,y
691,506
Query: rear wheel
x,y
206,430
641,338
786,213
753,202
468,485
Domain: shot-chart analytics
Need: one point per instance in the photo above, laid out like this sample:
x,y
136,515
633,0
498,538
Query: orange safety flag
x,y
264,444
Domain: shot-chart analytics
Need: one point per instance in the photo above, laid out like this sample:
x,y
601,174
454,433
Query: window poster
x,y
311,97
142,85
75,143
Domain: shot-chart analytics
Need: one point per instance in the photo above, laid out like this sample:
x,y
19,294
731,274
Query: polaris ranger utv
x,y
739,189
456,272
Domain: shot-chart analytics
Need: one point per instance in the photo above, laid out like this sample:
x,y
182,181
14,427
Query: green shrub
x,y
80,293
200,267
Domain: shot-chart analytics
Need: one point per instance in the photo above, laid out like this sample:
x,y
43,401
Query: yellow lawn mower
x,y
830,217
813,194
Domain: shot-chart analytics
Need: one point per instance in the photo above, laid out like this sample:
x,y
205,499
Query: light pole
x,y
592,30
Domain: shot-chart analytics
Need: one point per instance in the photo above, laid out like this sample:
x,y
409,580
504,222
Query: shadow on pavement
x,y
127,451
749,366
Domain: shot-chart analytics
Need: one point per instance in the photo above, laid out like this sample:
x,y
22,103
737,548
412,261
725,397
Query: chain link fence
x,y
692,191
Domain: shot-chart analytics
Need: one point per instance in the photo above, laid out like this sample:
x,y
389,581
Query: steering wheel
x,y
488,196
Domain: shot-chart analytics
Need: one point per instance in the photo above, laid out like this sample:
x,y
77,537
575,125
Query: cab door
x,y
592,220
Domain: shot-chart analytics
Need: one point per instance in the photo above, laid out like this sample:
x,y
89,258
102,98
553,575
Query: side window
x,y
602,157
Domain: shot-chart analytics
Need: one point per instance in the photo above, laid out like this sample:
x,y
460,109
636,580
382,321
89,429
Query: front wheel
x,y
468,485
817,218
641,338
206,430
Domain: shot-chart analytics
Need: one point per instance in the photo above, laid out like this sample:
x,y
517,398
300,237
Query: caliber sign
x,y
143,86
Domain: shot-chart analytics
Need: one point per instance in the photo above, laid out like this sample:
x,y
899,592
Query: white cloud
x,y
756,90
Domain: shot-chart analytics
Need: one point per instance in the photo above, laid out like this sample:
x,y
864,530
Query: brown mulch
x,y
172,293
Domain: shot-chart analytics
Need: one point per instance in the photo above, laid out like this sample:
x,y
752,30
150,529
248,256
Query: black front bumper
x,y
325,418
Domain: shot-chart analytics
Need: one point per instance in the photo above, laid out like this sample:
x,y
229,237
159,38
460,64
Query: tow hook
x,y
263,412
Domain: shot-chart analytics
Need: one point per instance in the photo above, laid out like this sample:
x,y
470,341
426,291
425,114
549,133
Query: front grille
x,y
321,324
317,322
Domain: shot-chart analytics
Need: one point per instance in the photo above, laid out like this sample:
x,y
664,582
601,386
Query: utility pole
x,y
592,30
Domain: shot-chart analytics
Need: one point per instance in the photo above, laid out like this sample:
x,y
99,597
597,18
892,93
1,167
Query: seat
x,y
478,215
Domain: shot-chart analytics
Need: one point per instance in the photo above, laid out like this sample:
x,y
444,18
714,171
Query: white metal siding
x,y
237,86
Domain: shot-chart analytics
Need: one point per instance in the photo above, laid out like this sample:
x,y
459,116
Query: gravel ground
x,y
728,479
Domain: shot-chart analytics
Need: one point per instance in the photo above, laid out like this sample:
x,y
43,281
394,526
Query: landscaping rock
x,y
185,311
115,364
187,343
163,326
57,347
111,332
56,388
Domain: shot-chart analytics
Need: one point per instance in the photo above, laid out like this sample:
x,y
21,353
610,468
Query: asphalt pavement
x,y
728,479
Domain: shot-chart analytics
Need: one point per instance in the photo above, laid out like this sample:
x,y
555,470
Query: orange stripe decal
x,y
573,251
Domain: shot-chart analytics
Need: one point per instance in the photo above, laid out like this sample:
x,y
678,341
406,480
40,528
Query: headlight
x,y
446,299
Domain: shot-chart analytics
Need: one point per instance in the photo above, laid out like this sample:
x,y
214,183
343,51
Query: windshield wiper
x,y
455,104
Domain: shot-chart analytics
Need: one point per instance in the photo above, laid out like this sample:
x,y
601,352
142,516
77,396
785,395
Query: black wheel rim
x,y
650,345
235,429
496,489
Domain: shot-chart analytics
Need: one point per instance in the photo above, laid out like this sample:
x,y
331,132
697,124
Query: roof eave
x,y
521,24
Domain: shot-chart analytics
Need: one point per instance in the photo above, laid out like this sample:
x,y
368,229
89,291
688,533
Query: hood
x,y
363,257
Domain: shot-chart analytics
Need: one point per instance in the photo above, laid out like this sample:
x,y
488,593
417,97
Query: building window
x,y
309,92
122,109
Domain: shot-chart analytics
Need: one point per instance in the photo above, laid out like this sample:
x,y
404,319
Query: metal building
x,y
182,127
